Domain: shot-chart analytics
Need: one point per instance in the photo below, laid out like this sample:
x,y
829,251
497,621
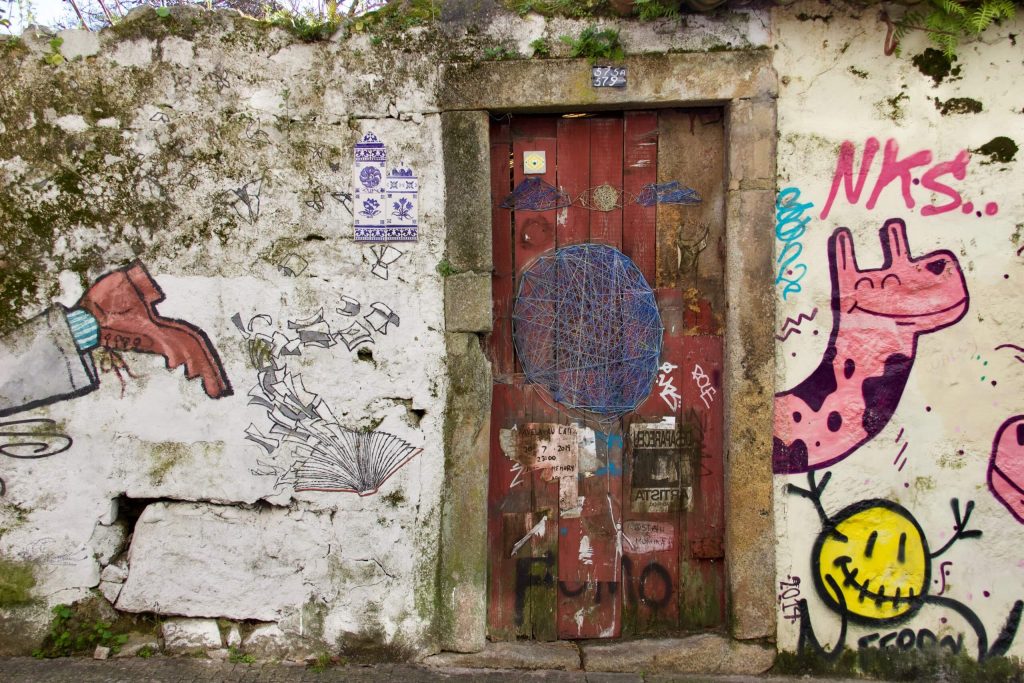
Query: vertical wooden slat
x,y
544,599
652,581
533,556
692,150
606,167
702,562
535,230
510,490
500,345
589,601
640,152
574,178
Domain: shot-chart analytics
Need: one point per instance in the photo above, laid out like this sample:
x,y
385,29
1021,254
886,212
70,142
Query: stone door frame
x,y
744,84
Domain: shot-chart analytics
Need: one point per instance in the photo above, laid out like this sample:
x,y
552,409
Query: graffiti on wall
x,y
790,226
872,565
50,357
306,447
893,169
878,315
1006,466
61,354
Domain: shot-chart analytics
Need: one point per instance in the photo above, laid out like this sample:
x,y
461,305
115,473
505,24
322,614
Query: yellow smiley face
x,y
873,561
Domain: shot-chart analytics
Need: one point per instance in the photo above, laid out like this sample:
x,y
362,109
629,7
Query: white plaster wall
x,y
223,541
836,85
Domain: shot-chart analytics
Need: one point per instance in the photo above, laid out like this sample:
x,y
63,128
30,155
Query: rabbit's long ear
x,y
893,236
840,252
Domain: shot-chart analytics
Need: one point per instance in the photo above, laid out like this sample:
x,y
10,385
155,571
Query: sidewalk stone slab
x,y
161,669
526,655
706,653
605,677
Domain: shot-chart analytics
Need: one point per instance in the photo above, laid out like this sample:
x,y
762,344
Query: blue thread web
x,y
586,327
667,193
533,194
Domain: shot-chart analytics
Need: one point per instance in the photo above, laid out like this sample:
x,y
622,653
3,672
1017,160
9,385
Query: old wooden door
x,y
628,538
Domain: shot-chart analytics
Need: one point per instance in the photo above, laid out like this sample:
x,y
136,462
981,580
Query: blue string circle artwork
x,y
586,327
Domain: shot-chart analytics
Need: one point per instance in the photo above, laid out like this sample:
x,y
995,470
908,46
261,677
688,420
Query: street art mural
x,y
1006,466
872,565
597,292
878,315
912,556
61,353
306,448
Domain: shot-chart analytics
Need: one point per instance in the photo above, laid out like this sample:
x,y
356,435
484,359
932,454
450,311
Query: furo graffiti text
x,y
790,225
893,168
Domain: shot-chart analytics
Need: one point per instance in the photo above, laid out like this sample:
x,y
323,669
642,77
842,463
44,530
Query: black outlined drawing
x,y
254,132
245,200
160,116
345,199
350,308
219,79
306,447
30,439
384,255
292,265
380,317
355,335
317,202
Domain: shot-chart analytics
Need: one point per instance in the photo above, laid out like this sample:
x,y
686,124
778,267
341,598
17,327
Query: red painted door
x,y
623,535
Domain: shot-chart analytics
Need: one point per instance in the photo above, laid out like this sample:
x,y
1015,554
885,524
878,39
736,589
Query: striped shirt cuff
x,y
84,329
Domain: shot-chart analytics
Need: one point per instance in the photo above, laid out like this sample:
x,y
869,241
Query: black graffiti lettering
x,y
612,586
564,589
526,578
926,640
666,579
599,587
864,642
954,646
906,639
647,589
627,578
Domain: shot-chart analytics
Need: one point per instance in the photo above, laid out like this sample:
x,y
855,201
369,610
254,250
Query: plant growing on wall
x,y
648,10
596,44
947,21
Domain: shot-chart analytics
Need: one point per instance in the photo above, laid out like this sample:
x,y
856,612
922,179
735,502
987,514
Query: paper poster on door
x,y
658,474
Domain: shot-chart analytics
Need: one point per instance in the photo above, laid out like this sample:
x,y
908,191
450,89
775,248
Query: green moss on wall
x,y
16,582
68,181
166,456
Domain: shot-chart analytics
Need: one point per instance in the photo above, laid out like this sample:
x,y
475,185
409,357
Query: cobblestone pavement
x,y
185,670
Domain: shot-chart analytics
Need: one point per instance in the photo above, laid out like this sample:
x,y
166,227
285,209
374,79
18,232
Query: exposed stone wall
x,y
219,154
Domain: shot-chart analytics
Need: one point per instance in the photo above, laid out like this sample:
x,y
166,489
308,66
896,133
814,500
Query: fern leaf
x,y
979,19
947,43
952,8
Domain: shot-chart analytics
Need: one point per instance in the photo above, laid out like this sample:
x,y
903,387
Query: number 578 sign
x,y
608,76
